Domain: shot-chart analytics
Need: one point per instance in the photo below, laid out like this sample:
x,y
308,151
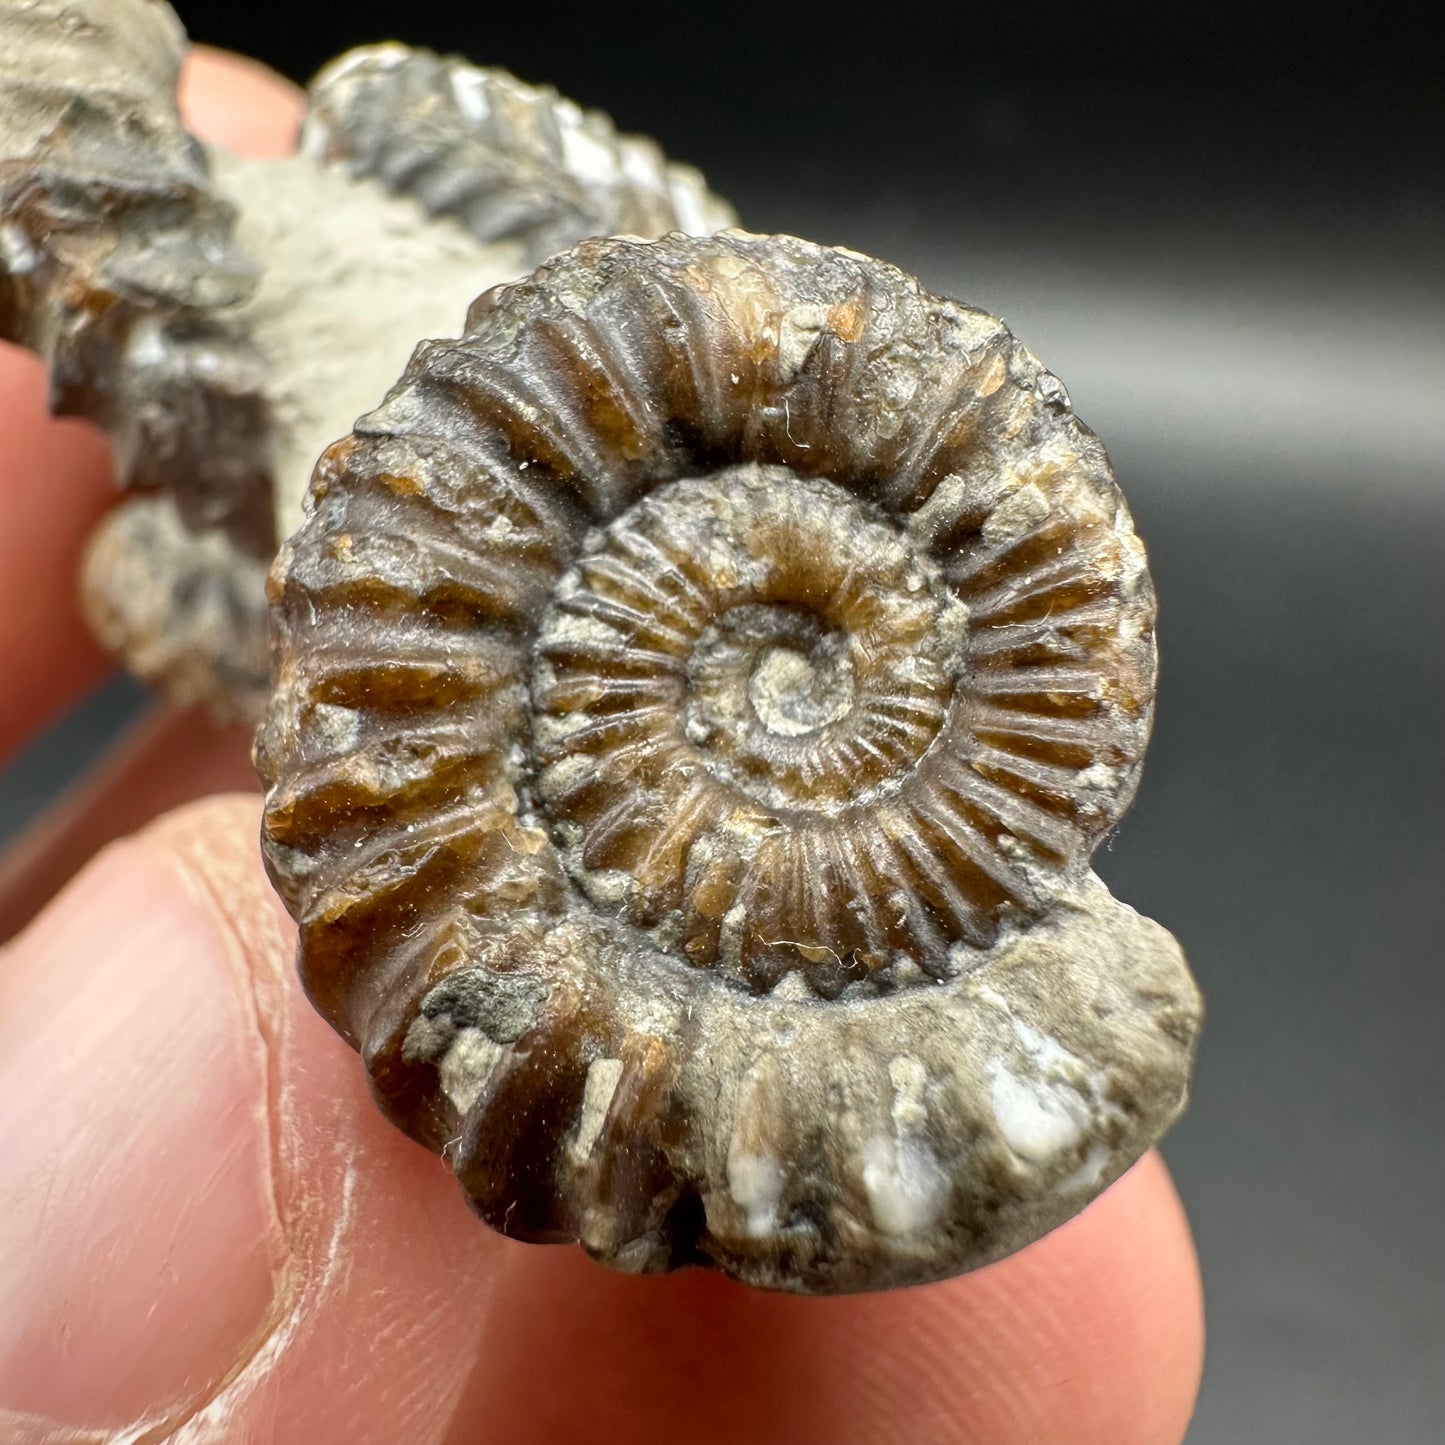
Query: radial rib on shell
x,y
698,692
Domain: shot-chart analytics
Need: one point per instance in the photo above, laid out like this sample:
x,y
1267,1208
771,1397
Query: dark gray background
x,y
1226,231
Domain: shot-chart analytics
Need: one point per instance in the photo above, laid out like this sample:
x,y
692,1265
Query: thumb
x,y
206,1229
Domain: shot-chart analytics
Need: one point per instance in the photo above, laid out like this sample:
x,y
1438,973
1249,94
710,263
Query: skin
x,y
207,1231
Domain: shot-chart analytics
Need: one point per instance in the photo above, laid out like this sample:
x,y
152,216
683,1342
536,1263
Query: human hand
x,y
208,1232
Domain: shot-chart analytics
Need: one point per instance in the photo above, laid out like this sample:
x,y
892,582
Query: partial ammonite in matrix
x,y
698,692
223,318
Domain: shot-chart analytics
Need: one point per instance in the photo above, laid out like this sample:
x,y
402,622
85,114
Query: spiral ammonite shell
x,y
698,692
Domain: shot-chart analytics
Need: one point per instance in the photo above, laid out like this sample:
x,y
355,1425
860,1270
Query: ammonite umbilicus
x,y
698,692
224,318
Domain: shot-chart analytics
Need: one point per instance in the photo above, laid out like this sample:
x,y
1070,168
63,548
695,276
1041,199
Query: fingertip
x,y
205,1216
55,481
1093,1335
390,1276
233,101
1106,1320
132,1094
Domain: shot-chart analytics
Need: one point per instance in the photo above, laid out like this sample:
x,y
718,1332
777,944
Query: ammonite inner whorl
x,y
699,690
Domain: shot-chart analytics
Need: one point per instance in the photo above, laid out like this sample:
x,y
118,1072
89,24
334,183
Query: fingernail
x,y
139,1243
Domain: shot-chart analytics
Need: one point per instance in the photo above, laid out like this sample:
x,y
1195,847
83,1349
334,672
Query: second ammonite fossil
x,y
698,692
224,318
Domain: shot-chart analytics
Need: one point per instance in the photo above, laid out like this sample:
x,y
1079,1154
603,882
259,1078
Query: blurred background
x,y
1224,227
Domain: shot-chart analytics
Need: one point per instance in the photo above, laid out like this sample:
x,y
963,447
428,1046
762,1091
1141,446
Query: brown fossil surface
x,y
698,692
225,319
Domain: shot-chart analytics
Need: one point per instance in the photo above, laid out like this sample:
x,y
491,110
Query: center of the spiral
x,y
795,693
769,687
766,676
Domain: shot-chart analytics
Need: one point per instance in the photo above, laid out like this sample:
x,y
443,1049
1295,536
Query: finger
x,y
233,101
207,1231
166,758
55,480
1091,1336
56,477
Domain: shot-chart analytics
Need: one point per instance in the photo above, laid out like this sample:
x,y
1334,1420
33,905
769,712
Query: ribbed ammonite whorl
x,y
699,690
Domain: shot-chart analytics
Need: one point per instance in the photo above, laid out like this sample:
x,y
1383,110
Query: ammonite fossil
x,y
698,692
224,319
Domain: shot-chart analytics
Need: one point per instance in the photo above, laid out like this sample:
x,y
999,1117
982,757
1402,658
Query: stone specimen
x,y
224,318
698,692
